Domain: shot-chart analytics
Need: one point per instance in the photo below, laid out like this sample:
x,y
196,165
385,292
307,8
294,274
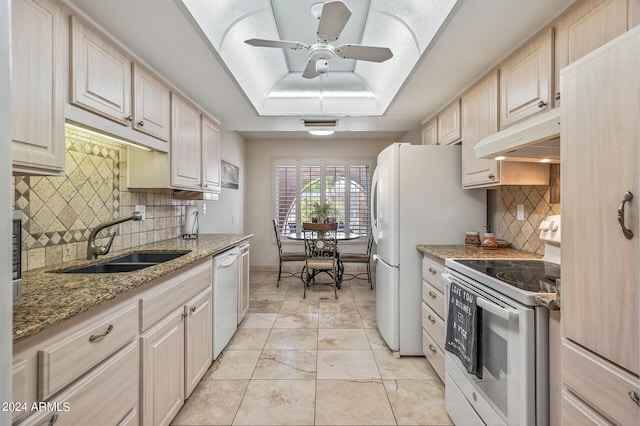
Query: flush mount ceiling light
x,y
321,132
320,127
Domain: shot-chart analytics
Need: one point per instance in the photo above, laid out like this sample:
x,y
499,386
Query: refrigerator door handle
x,y
374,207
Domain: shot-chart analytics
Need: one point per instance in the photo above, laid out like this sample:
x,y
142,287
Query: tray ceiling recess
x,y
381,41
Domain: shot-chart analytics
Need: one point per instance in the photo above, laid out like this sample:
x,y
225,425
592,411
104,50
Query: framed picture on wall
x,y
230,175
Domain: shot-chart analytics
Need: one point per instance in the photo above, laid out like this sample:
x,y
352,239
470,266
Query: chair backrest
x,y
370,244
320,239
275,228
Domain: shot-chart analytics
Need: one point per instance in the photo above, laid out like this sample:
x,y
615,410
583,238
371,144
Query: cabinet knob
x,y
634,397
557,96
433,271
95,337
129,118
432,319
432,294
542,104
491,176
432,349
193,309
141,123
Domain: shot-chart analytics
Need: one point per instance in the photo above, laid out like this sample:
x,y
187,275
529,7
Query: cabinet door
x,y
151,104
210,155
586,26
449,124
600,156
198,340
480,119
243,283
38,79
163,370
430,133
525,80
185,150
100,75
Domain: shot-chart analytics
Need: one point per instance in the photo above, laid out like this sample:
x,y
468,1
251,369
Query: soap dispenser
x,y
488,239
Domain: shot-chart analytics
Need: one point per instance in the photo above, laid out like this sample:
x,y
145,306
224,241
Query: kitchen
x,y
249,203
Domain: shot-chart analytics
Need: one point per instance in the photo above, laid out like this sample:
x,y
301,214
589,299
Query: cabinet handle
x,y
432,294
95,337
184,314
634,397
193,309
432,349
491,176
628,233
141,123
542,104
129,118
433,271
557,96
432,319
53,419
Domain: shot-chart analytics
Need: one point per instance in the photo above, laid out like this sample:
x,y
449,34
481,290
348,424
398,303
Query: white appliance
x,y
532,140
225,298
514,388
417,198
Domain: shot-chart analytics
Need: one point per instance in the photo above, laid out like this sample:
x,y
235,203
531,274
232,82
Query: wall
x,y
227,214
259,192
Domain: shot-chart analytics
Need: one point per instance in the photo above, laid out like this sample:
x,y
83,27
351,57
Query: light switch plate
x,y
140,208
520,212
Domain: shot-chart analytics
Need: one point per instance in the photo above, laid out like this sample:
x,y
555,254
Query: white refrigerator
x,y
417,198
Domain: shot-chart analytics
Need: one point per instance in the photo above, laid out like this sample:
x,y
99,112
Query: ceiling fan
x,y
333,16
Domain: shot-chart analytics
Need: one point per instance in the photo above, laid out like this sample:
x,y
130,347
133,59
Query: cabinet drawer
x,y
434,325
434,354
431,273
577,413
433,298
599,383
65,360
84,403
175,291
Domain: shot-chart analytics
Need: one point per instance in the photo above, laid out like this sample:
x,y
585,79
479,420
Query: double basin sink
x,y
128,262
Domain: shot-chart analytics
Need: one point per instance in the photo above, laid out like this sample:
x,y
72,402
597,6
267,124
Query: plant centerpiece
x,y
322,212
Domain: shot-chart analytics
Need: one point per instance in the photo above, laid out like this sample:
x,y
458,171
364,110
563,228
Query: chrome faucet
x,y
92,249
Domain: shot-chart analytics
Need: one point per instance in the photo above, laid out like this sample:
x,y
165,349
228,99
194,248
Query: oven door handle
x,y
505,314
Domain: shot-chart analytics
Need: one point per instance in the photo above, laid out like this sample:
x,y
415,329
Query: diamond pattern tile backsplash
x,y
58,213
523,234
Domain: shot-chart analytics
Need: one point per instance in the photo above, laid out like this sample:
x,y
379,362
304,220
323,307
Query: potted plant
x,y
322,212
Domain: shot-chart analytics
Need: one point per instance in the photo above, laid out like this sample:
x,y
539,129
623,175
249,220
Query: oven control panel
x,y
550,230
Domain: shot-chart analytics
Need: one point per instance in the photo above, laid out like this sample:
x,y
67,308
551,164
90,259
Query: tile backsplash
x,y
58,213
523,234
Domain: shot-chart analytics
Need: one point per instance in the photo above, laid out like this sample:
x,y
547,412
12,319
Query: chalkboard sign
x,y
464,329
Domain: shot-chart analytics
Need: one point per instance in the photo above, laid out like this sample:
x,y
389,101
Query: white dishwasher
x,y
225,298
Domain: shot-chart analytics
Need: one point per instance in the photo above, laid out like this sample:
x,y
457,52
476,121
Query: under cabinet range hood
x,y
536,140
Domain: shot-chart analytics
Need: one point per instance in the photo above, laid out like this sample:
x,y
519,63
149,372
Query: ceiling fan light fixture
x,y
321,132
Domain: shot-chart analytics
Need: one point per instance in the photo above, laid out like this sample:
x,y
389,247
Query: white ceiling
x,y
475,37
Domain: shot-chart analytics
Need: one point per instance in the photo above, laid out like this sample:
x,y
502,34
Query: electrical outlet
x,y
140,208
520,212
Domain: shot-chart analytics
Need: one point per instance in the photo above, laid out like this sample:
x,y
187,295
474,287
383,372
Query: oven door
x,y
506,392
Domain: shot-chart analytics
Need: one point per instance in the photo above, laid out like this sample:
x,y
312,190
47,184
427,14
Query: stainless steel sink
x,y
127,263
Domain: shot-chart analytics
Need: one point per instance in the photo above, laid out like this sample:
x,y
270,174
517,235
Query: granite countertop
x,y
464,252
547,300
50,298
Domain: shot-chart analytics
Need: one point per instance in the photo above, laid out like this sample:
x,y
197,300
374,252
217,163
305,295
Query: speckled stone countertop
x,y
547,300
464,252
50,298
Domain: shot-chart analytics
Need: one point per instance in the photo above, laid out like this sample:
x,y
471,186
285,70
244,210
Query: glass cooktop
x,y
536,276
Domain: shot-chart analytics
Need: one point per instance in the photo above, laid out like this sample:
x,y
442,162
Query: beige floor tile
x,y
296,321
249,338
375,339
348,402
364,295
235,364
368,315
403,368
286,364
295,293
417,402
340,321
257,306
299,307
258,320
292,338
337,307
277,402
347,364
333,338
272,295
214,402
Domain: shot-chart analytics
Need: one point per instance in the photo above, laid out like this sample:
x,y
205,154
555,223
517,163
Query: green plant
x,y
322,211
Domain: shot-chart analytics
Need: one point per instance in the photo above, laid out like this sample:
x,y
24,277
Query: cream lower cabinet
x,y
197,339
243,282
433,323
38,80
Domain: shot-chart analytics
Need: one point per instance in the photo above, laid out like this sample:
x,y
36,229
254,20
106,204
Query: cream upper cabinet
x,y
38,81
526,80
185,153
430,132
100,75
151,104
449,124
210,155
584,27
600,156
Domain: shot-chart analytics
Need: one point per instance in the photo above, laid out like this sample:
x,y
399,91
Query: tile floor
x,y
316,361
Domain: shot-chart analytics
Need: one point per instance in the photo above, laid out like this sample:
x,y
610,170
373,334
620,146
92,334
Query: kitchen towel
x,y
464,329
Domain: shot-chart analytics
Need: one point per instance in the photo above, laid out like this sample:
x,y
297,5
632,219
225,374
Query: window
x,y
344,184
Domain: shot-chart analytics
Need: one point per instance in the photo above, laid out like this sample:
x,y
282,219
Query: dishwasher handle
x,y
228,259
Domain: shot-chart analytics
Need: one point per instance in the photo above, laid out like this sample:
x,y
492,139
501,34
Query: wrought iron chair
x,y
362,258
320,246
285,256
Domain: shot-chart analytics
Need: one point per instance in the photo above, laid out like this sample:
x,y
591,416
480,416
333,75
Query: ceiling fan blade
x,y
334,17
364,53
310,69
276,43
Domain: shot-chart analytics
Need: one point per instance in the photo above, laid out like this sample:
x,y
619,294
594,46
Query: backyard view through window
x,y
339,188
